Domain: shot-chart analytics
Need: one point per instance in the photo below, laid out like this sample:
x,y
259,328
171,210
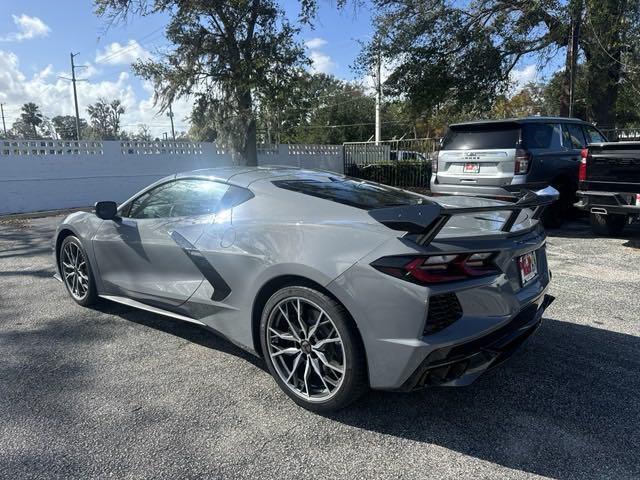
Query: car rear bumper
x,y
606,203
459,365
483,191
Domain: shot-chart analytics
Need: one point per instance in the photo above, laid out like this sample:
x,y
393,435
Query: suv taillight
x,y
523,162
434,163
582,172
438,268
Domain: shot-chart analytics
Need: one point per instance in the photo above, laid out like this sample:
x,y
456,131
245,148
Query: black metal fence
x,y
400,163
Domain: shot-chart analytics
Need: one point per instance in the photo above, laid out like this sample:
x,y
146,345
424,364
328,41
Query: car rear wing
x,y
427,220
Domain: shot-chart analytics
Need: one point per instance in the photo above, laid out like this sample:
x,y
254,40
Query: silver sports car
x,y
340,284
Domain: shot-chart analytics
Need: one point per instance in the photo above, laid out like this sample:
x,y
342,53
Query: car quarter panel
x,y
391,313
275,235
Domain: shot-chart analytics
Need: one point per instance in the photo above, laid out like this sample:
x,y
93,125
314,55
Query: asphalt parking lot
x,y
115,392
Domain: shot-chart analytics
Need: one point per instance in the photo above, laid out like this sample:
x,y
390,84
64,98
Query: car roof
x,y
522,120
245,176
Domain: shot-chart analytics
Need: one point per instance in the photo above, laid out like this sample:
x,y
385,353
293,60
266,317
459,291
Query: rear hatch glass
x,y
479,154
352,192
482,137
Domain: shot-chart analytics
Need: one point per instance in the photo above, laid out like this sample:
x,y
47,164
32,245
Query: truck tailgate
x,y
613,167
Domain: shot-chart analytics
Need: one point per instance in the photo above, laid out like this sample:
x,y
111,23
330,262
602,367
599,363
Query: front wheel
x,y
607,224
312,349
76,273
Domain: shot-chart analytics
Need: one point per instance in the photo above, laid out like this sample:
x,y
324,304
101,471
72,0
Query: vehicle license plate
x,y
471,168
528,267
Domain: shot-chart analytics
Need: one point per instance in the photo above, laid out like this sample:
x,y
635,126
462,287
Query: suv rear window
x,y
483,136
354,193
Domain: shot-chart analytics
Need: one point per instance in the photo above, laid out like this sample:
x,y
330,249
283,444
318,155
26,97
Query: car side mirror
x,y
107,210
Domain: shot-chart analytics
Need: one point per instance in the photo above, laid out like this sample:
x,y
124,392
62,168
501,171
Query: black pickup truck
x,y
609,186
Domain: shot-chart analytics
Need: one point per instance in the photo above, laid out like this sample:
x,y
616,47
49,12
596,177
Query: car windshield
x,y
355,193
483,136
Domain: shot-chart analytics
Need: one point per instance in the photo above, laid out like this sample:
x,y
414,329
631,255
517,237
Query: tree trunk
x,y
251,147
566,82
247,153
567,96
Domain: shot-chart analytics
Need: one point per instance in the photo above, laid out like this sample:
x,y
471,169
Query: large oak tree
x,y
444,51
224,54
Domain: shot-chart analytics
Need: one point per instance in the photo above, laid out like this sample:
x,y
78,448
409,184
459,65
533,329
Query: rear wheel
x,y
76,273
312,349
607,224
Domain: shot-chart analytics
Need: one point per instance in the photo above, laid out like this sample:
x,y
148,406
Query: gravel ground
x,y
115,392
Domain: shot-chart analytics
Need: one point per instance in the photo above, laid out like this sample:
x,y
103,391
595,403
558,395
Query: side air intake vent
x,y
443,311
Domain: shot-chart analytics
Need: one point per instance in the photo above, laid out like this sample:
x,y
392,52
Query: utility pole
x,y
4,126
575,37
378,99
75,94
173,132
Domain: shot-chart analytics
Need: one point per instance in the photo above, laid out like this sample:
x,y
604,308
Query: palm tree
x,y
31,116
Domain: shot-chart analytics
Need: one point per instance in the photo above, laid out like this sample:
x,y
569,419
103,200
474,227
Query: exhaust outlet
x,y
599,210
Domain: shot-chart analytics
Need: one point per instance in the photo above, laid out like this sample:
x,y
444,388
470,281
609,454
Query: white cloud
x,y
520,78
320,61
118,54
315,43
28,28
55,97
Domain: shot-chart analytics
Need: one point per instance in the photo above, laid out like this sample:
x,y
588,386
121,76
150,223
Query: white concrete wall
x,y
49,175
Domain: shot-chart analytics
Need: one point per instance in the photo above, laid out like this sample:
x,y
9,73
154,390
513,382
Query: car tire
x,y
75,271
324,367
607,225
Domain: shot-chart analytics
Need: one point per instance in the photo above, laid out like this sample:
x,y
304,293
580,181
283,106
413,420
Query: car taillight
x,y
426,270
523,162
434,163
582,172
637,198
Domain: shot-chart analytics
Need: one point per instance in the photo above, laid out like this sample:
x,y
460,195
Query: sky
x,y
37,36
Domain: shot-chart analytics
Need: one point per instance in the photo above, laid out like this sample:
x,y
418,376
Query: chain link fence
x,y
400,163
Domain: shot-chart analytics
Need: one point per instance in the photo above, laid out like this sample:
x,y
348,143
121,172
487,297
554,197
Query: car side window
x,y
593,135
572,136
537,135
179,198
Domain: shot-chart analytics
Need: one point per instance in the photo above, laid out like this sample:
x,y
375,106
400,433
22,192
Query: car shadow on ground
x,y
22,238
193,333
580,229
565,406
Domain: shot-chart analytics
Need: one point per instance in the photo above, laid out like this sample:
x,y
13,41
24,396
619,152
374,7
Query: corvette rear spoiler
x,y
428,219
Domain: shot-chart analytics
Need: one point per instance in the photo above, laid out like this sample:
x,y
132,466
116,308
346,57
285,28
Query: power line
x,y
363,124
625,66
318,107
129,47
